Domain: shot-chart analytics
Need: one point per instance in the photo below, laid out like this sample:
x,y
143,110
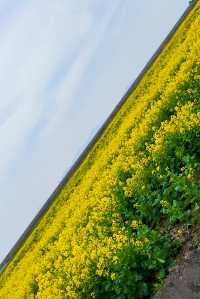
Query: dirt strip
x,y
183,281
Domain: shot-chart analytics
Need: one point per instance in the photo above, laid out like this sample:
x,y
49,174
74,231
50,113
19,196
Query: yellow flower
x,y
113,276
164,203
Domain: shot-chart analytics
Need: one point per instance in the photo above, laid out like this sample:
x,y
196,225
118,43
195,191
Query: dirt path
x,y
183,281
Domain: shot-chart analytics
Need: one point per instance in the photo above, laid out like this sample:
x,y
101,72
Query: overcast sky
x,y
64,65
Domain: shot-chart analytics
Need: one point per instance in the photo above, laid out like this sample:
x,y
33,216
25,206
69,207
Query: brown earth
x,y
183,281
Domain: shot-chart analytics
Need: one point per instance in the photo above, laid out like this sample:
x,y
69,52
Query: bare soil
x,y
183,281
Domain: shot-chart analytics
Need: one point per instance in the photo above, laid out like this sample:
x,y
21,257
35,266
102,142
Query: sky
x,y
64,65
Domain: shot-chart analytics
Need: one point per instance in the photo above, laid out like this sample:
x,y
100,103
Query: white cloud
x,y
30,52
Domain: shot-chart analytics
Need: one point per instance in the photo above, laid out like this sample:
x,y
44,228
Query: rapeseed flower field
x,y
107,234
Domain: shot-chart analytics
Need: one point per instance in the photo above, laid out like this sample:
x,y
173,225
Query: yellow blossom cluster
x,y
79,242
